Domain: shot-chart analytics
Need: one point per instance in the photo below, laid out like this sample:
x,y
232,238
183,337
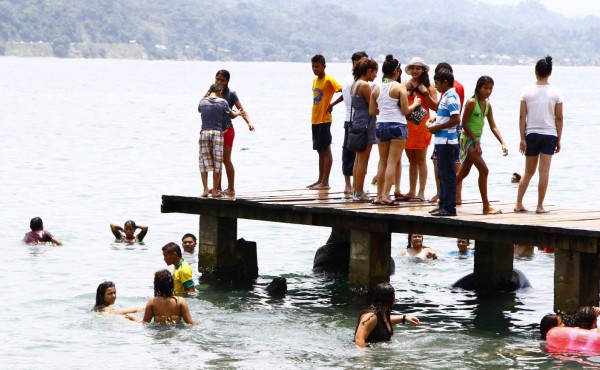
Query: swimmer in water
x,y
164,307
415,248
126,234
106,295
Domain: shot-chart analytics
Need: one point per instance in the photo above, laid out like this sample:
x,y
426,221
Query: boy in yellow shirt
x,y
182,272
324,86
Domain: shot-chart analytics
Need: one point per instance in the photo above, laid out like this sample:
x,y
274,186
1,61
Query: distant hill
x,y
464,32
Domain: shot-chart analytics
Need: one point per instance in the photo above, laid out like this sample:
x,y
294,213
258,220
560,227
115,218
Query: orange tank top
x,y
419,136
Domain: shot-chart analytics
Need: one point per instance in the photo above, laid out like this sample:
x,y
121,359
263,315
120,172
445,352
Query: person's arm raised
x,y
143,232
116,230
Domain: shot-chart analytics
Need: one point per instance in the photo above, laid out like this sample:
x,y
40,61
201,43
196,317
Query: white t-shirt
x,y
347,94
541,103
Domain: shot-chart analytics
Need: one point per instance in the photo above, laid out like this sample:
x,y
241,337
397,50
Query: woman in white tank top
x,y
391,126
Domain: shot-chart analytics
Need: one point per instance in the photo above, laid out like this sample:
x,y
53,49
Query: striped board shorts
x,y
211,151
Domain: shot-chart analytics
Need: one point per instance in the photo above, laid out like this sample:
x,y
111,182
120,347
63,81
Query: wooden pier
x,y
573,233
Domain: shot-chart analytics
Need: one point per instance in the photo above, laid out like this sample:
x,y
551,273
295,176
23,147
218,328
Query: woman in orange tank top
x,y
419,136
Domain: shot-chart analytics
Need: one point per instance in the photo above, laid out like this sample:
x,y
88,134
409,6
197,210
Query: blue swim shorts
x,y
538,143
391,130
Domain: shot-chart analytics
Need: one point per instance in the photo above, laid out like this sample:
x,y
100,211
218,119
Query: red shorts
x,y
228,136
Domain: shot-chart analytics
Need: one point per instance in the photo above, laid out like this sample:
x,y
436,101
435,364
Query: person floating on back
x,y
126,233
214,111
540,126
182,271
38,235
323,87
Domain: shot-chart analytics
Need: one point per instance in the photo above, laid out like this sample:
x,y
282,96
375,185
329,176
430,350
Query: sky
x,y
569,8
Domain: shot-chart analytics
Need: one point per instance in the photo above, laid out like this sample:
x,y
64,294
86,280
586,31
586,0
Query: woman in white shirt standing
x,y
540,126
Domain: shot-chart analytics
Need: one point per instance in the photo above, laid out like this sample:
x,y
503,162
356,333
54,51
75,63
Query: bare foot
x,y
216,194
313,185
434,199
320,186
541,210
491,211
409,195
519,208
229,192
347,193
204,194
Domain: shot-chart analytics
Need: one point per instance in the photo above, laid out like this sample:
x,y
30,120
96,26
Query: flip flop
x,y
401,198
416,200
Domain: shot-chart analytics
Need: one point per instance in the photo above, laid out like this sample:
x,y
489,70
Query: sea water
x,y
86,143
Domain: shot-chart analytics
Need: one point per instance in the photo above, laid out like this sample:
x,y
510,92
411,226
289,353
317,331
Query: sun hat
x,y
416,61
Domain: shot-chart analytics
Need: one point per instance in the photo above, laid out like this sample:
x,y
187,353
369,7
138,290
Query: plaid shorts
x,y
211,151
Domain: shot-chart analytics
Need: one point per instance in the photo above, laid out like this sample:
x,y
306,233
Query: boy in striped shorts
x,y
213,110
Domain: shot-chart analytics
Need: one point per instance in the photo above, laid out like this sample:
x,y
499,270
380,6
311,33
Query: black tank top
x,y
380,333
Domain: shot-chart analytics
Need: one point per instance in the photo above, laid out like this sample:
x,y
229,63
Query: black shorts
x,y
321,136
538,143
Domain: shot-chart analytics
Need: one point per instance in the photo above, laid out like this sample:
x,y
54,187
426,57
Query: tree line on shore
x,y
466,32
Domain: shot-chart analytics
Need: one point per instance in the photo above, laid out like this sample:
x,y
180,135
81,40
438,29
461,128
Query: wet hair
x,y
544,66
390,65
172,248
444,75
318,59
410,235
36,224
224,73
585,317
548,322
188,235
277,287
517,176
358,56
100,291
130,222
363,66
163,283
483,80
383,295
215,88
443,65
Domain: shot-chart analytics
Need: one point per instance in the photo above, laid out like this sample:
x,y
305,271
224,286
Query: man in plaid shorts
x,y
213,110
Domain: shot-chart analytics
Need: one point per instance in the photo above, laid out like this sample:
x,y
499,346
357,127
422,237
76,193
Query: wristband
x,y
404,319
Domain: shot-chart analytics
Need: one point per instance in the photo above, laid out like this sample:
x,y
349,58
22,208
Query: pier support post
x,y
575,280
493,268
369,259
218,256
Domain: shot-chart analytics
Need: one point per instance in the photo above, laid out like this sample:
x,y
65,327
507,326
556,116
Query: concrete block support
x,y
493,268
369,259
218,254
575,280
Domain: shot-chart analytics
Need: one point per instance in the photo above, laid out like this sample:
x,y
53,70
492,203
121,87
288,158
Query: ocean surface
x,y
86,143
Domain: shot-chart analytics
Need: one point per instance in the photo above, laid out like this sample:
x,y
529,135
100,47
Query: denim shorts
x,y
538,143
387,131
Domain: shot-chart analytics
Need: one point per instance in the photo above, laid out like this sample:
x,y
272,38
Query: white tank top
x,y
389,111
